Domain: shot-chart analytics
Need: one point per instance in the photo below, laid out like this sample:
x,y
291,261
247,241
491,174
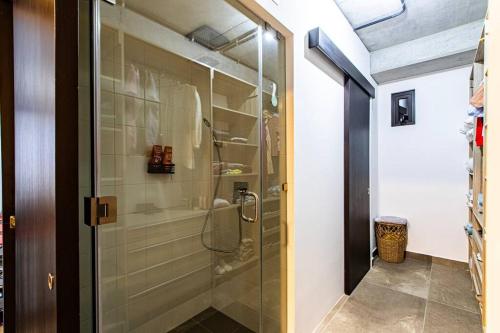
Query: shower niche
x,y
201,245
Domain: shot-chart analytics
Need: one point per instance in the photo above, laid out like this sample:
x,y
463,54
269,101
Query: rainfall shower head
x,y
208,37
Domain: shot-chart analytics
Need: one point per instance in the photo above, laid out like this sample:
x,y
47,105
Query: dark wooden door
x,y
34,77
357,182
46,165
7,132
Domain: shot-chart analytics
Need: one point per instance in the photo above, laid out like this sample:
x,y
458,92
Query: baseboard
x,y
332,312
374,255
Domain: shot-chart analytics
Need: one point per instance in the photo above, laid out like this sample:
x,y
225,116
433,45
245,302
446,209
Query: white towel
x,y
132,80
198,119
220,203
151,87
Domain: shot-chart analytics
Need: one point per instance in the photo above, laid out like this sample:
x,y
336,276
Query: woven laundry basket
x,y
392,238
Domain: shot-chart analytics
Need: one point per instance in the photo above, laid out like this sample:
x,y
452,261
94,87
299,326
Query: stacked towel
x,y
220,203
230,168
246,251
274,191
468,229
469,165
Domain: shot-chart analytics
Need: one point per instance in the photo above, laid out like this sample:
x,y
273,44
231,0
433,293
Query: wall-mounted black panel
x,y
403,108
320,41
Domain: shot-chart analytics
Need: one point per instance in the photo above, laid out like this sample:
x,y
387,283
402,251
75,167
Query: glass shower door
x,y
273,182
178,144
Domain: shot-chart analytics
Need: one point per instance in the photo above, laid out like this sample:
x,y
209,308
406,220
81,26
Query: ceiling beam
x,y
444,50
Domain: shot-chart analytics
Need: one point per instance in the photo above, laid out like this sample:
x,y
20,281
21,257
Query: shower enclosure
x,y
182,155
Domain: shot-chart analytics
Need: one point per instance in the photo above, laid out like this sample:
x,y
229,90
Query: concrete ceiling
x,y
185,16
422,18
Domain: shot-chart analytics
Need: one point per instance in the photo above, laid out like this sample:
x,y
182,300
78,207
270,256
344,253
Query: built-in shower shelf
x,y
272,231
478,216
236,144
238,268
266,215
271,215
238,176
232,80
230,112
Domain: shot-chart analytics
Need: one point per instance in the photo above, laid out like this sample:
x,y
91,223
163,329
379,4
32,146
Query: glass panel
x,y
179,146
84,169
273,176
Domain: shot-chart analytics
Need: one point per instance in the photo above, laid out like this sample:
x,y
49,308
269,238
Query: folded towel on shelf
x,y
477,99
232,172
469,165
221,135
230,168
232,165
221,203
238,140
469,122
274,190
469,135
248,200
468,229
246,251
475,112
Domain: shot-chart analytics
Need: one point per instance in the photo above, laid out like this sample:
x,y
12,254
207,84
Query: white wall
x,y
421,171
319,189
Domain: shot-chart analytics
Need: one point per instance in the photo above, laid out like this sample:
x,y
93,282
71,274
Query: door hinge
x,y
12,222
100,210
284,187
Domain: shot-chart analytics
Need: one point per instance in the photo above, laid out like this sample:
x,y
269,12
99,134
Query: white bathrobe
x,y
183,103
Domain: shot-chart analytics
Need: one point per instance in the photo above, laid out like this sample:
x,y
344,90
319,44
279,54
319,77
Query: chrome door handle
x,y
245,218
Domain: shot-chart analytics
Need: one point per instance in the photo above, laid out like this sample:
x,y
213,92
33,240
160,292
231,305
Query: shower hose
x,y
216,191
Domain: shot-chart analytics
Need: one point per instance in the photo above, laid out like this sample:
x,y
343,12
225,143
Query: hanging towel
x,y
132,80
269,156
198,119
152,123
151,87
190,124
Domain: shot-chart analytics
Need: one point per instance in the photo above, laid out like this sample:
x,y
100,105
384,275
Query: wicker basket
x,y
391,240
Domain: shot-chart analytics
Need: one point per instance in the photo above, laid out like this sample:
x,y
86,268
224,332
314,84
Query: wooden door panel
x,y
34,89
357,182
7,130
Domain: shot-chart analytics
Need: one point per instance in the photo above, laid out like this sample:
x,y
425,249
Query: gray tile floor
x,y
415,296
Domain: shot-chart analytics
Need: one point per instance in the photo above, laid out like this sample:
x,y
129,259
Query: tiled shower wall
x,y
154,272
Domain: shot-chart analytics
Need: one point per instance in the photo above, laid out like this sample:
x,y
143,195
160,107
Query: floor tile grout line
x,y
455,307
427,299
445,304
398,291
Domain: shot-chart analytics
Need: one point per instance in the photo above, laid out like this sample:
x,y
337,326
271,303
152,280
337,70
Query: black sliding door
x,y
357,182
